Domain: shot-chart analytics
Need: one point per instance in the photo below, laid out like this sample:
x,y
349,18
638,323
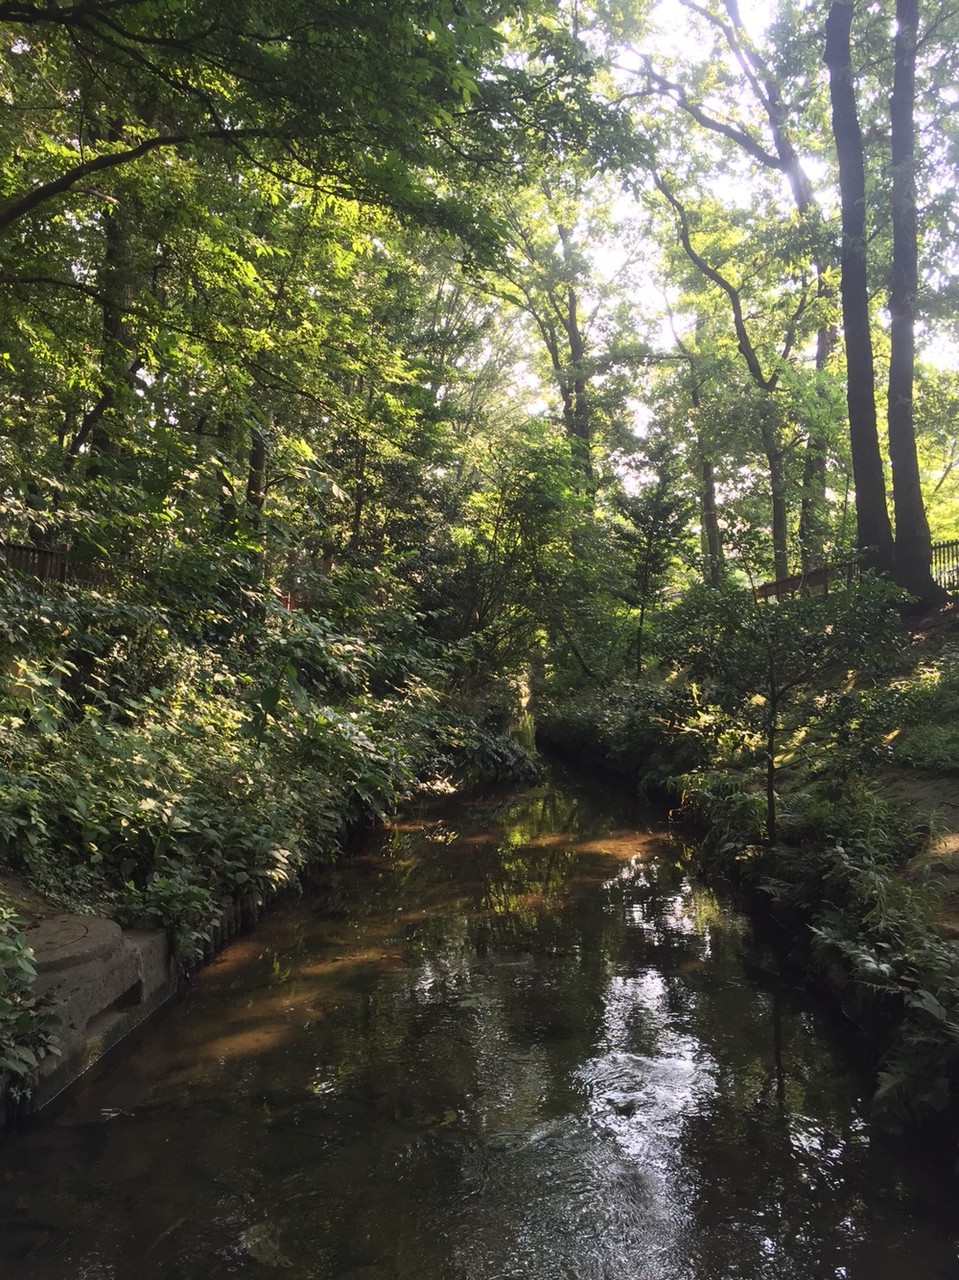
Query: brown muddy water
x,y
508,1040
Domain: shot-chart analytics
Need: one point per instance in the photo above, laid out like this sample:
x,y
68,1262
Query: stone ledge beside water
x,y
102,982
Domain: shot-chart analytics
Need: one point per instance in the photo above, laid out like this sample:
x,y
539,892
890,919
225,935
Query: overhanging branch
x,y
32,199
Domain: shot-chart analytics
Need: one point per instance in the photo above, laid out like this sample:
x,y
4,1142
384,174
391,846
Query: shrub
x,y
27,1029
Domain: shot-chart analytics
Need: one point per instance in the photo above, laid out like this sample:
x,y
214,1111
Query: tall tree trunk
x,y
812,526
581,425
256,477
874,532
813,501
780,530
226,499
119,359
773,452
640,627
712,537
359,494
913,548
578,411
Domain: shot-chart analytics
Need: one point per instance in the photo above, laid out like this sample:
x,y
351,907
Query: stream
x,y
509,1038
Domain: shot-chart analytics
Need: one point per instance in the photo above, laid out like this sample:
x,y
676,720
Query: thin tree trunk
x,y
712,538
750,354
639,637
359,494
777,491
582,423
226,500
772,825
780,528
812,527
578,415
874,532
256,478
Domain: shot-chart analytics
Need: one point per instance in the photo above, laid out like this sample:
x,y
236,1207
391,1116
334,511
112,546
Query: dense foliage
x,y
370,367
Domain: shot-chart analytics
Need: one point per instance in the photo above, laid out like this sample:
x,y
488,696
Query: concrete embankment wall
x,y
101,981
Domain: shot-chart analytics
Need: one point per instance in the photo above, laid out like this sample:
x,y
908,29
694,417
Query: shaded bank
x,y
861,873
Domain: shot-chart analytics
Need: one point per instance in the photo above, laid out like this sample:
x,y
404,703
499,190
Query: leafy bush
x,y
873,926
648,731
478,755
161,803
805,696
27,1030
729,813
778,667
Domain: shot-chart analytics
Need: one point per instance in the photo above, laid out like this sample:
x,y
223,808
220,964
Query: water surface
x,y
509,1040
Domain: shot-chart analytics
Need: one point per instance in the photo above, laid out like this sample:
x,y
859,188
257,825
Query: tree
x,y
756,659
772,94
711,538
908,558
729,124
653,521
305,88
913,547
767,418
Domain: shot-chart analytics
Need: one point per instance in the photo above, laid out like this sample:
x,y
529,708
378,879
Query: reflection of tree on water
x,y
504,1052
647,972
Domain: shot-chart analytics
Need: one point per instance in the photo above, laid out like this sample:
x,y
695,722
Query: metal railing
x,y
945,563
817,582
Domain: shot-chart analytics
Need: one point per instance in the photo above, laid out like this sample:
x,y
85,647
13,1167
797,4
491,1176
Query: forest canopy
x,y
368,366
265,288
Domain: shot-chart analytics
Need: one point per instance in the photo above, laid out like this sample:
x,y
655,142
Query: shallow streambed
x,y
509,1040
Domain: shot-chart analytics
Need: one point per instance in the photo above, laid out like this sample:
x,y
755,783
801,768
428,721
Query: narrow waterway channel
x,y
509,1040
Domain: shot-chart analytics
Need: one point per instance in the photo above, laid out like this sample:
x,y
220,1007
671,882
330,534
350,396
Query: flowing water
x,y
507,1040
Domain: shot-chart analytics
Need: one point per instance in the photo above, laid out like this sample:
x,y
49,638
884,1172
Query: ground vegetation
x,y
349,403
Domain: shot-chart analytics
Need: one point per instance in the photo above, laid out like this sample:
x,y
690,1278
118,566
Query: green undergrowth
x,y
927,735
847,881
158,770
847,872
27,1031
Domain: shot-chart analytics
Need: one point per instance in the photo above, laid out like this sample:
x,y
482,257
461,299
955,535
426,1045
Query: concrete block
x,y
101,981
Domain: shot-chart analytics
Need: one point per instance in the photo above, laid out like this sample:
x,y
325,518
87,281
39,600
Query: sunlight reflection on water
x,y
508,1041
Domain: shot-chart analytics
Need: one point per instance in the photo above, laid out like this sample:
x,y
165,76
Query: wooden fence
x,y
46,565
54,566
816,582
36,562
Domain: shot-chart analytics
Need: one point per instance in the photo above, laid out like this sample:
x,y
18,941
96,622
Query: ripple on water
x,y
566,1204
551,1064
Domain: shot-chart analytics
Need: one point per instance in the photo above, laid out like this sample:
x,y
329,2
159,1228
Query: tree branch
x,y
88,289
30,200
739,136
746,347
